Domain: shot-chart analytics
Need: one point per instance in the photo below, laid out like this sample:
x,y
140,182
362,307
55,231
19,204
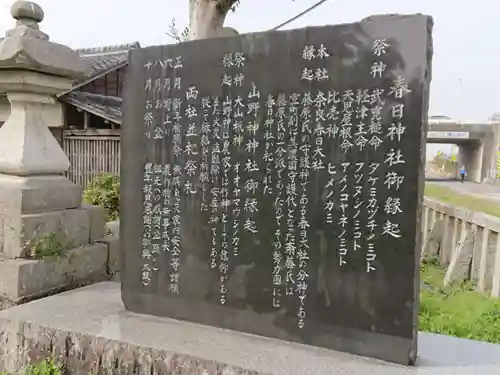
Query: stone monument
x,y
37,203
88,331
272,185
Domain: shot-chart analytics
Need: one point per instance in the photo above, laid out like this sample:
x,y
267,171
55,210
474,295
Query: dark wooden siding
x,y
110,85
73,117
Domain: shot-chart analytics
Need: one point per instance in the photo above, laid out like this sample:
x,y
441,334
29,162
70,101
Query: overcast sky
x,y
466,82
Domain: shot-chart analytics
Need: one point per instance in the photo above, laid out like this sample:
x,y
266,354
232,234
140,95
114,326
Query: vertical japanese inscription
x,y
152,185
164,106
225,201
191,152
292,182
231,140
227,110
343,197
251,184
166,208
347,218
282,272
205,141
175,248
324,134
214,181
268,189
146,272
236,62
156,219
299,280
303,166
279,203
331,133
307,154
395,157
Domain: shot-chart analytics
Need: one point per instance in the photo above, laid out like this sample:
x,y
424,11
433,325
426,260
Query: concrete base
x,y
23,280
89,330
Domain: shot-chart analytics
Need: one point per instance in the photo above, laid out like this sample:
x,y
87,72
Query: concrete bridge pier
x,y
470,155
493,161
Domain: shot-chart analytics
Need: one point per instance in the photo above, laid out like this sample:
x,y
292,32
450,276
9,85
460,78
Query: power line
x,y
312,7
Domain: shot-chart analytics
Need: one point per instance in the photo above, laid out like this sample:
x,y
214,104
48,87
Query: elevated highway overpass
x,y
478,145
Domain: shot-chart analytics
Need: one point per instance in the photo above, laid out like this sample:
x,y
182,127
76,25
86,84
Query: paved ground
x,y
482,190
96,318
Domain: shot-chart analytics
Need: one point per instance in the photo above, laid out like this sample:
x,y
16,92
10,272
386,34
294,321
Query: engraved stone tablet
x,y
272,182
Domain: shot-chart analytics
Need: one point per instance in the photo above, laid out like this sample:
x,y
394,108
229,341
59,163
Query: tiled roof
x,y
106,58
102,60
107,107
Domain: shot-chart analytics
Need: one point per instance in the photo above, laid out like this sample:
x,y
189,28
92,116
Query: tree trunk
x,y
205,19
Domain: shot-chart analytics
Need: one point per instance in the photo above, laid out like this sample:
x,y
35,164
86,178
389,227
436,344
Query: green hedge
x,y
104,191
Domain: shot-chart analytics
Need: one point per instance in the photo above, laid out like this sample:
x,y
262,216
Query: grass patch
x,y
46,367
47,245
457,310
452,197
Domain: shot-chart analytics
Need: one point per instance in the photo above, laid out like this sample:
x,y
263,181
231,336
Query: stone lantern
x,y
36,198
32,71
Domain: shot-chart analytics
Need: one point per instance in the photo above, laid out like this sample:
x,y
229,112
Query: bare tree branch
x,y
173,32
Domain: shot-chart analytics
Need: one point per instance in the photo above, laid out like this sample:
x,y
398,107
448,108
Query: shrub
x,y
448,164
46,245
46,367
104,191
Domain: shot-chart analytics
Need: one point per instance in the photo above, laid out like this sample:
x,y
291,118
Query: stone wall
x,y
466,241
24,280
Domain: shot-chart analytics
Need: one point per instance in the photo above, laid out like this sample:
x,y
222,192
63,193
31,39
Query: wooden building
x,y
90,135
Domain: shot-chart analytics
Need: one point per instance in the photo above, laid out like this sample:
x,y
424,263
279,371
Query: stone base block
x,y
23,280
26,234
97,223
34,194
89,331
23,235
113,243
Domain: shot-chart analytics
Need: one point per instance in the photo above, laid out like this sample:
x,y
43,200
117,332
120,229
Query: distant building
x,y
94,103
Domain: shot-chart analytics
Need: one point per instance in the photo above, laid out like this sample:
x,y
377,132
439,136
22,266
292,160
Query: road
x,y
481,190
